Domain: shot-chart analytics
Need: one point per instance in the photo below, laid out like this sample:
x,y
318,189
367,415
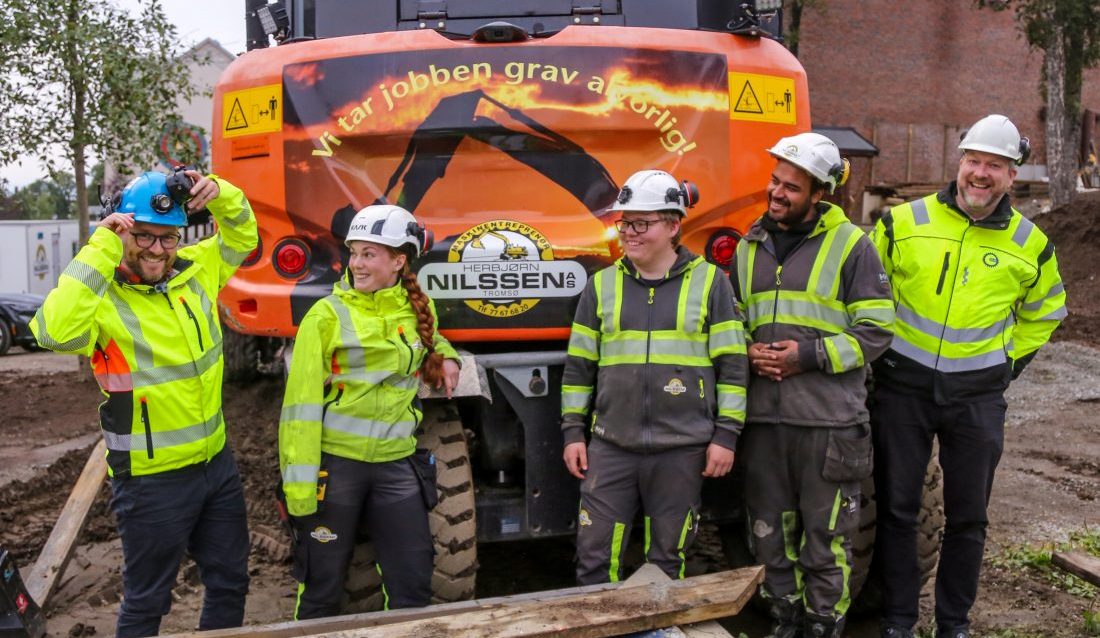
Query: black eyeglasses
x,y
146,240
639,226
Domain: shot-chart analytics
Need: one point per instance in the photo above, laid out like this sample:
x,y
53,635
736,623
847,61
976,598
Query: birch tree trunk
x,y
1061,152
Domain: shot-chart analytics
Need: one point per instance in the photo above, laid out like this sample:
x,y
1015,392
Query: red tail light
x,y
722,246
291,258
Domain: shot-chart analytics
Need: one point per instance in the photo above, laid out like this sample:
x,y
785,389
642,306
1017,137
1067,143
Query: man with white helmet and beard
x,y
977,293
817,308
656,370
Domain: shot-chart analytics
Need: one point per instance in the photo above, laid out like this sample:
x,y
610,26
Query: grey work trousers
x,y
667,485
802,522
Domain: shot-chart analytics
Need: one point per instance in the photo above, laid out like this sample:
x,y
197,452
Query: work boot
x,y
822,626
788,616
893,631
956,632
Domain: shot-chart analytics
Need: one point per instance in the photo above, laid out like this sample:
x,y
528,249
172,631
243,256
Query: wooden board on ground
x,y
1081,565
585,612
55,554
650,573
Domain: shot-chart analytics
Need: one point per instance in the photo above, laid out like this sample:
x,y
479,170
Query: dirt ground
x,y
1047,485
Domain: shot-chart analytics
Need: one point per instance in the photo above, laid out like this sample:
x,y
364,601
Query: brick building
x,y
911,75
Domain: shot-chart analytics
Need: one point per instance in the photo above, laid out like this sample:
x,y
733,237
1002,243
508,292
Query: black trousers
x,y
384,496
198,510
971,438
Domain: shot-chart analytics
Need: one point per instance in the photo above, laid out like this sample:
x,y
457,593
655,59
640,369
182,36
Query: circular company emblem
x,y
989,259
501,269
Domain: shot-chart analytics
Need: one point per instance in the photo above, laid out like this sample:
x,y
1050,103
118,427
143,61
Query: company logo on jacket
x,y
323,534
675,387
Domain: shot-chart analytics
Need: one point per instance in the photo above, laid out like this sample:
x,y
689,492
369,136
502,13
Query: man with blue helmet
x,y
145,311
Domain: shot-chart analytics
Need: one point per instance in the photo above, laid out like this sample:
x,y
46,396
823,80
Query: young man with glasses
x,y
656,370
145,311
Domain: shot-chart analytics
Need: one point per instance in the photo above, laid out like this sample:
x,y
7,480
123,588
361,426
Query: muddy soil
x,y
1047,485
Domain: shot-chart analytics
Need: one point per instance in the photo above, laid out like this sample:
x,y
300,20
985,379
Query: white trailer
x,y
34,252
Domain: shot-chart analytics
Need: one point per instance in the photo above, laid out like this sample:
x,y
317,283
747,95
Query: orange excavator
x,y
506,128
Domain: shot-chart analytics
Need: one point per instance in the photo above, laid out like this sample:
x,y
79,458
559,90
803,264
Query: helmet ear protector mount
x,y
687,194
1025,151
841,172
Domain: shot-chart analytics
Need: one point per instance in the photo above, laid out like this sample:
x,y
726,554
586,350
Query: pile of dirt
x,y
1075,231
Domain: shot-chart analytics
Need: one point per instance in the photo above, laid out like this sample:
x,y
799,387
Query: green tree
x,y
9,207
1068,34
792,10
84,77
52,197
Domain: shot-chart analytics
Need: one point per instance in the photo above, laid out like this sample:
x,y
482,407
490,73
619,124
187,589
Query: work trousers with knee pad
x,y
802,488
198,510
667,485
971,437
385,498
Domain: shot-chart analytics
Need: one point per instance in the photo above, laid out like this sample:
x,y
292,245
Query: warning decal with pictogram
x,y
748,102
762,98
252,111
236,118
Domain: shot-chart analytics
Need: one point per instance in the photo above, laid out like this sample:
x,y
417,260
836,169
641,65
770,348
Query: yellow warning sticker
x,y
762,98
252,111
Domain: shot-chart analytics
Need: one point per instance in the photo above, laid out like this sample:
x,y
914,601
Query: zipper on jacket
x,y
168,299
702,392
950,293
194,321
401,333
646,434
943,272
336,399
148,428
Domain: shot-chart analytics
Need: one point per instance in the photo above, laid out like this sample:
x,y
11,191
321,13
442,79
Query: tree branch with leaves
x,y
86,78
1068,34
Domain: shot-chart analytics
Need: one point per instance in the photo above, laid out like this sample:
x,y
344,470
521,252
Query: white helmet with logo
x,y
653,190
997,134
815,154
388,225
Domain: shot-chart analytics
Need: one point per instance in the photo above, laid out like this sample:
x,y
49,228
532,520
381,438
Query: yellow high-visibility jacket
x,y
974,299
351,391
156,350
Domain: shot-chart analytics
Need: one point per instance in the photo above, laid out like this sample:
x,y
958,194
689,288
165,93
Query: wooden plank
x,y
650,573
55,554
609,613
1083,565
735,589
298,628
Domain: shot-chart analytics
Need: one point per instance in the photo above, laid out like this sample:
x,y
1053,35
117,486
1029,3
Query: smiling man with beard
x,y
817,309
145,311
977,293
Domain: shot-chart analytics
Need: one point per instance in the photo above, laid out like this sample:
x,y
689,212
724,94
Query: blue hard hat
x,y
148,199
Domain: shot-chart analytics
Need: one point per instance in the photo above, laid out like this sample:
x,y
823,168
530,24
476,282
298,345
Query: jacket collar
x,y
997,220
384,300
829,216
182,270
685,260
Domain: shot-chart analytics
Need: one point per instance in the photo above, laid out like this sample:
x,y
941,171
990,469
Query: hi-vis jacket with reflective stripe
x,y
156,351
973,298
352,386
830,295
665,360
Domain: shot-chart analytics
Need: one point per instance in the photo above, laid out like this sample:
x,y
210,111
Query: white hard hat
x,y
389,225
996,134
815,154
656,190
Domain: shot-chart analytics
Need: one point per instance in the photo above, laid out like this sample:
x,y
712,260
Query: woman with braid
x,y
347,445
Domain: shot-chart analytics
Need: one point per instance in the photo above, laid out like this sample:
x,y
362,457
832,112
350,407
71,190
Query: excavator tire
x,y
241,356
453,523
